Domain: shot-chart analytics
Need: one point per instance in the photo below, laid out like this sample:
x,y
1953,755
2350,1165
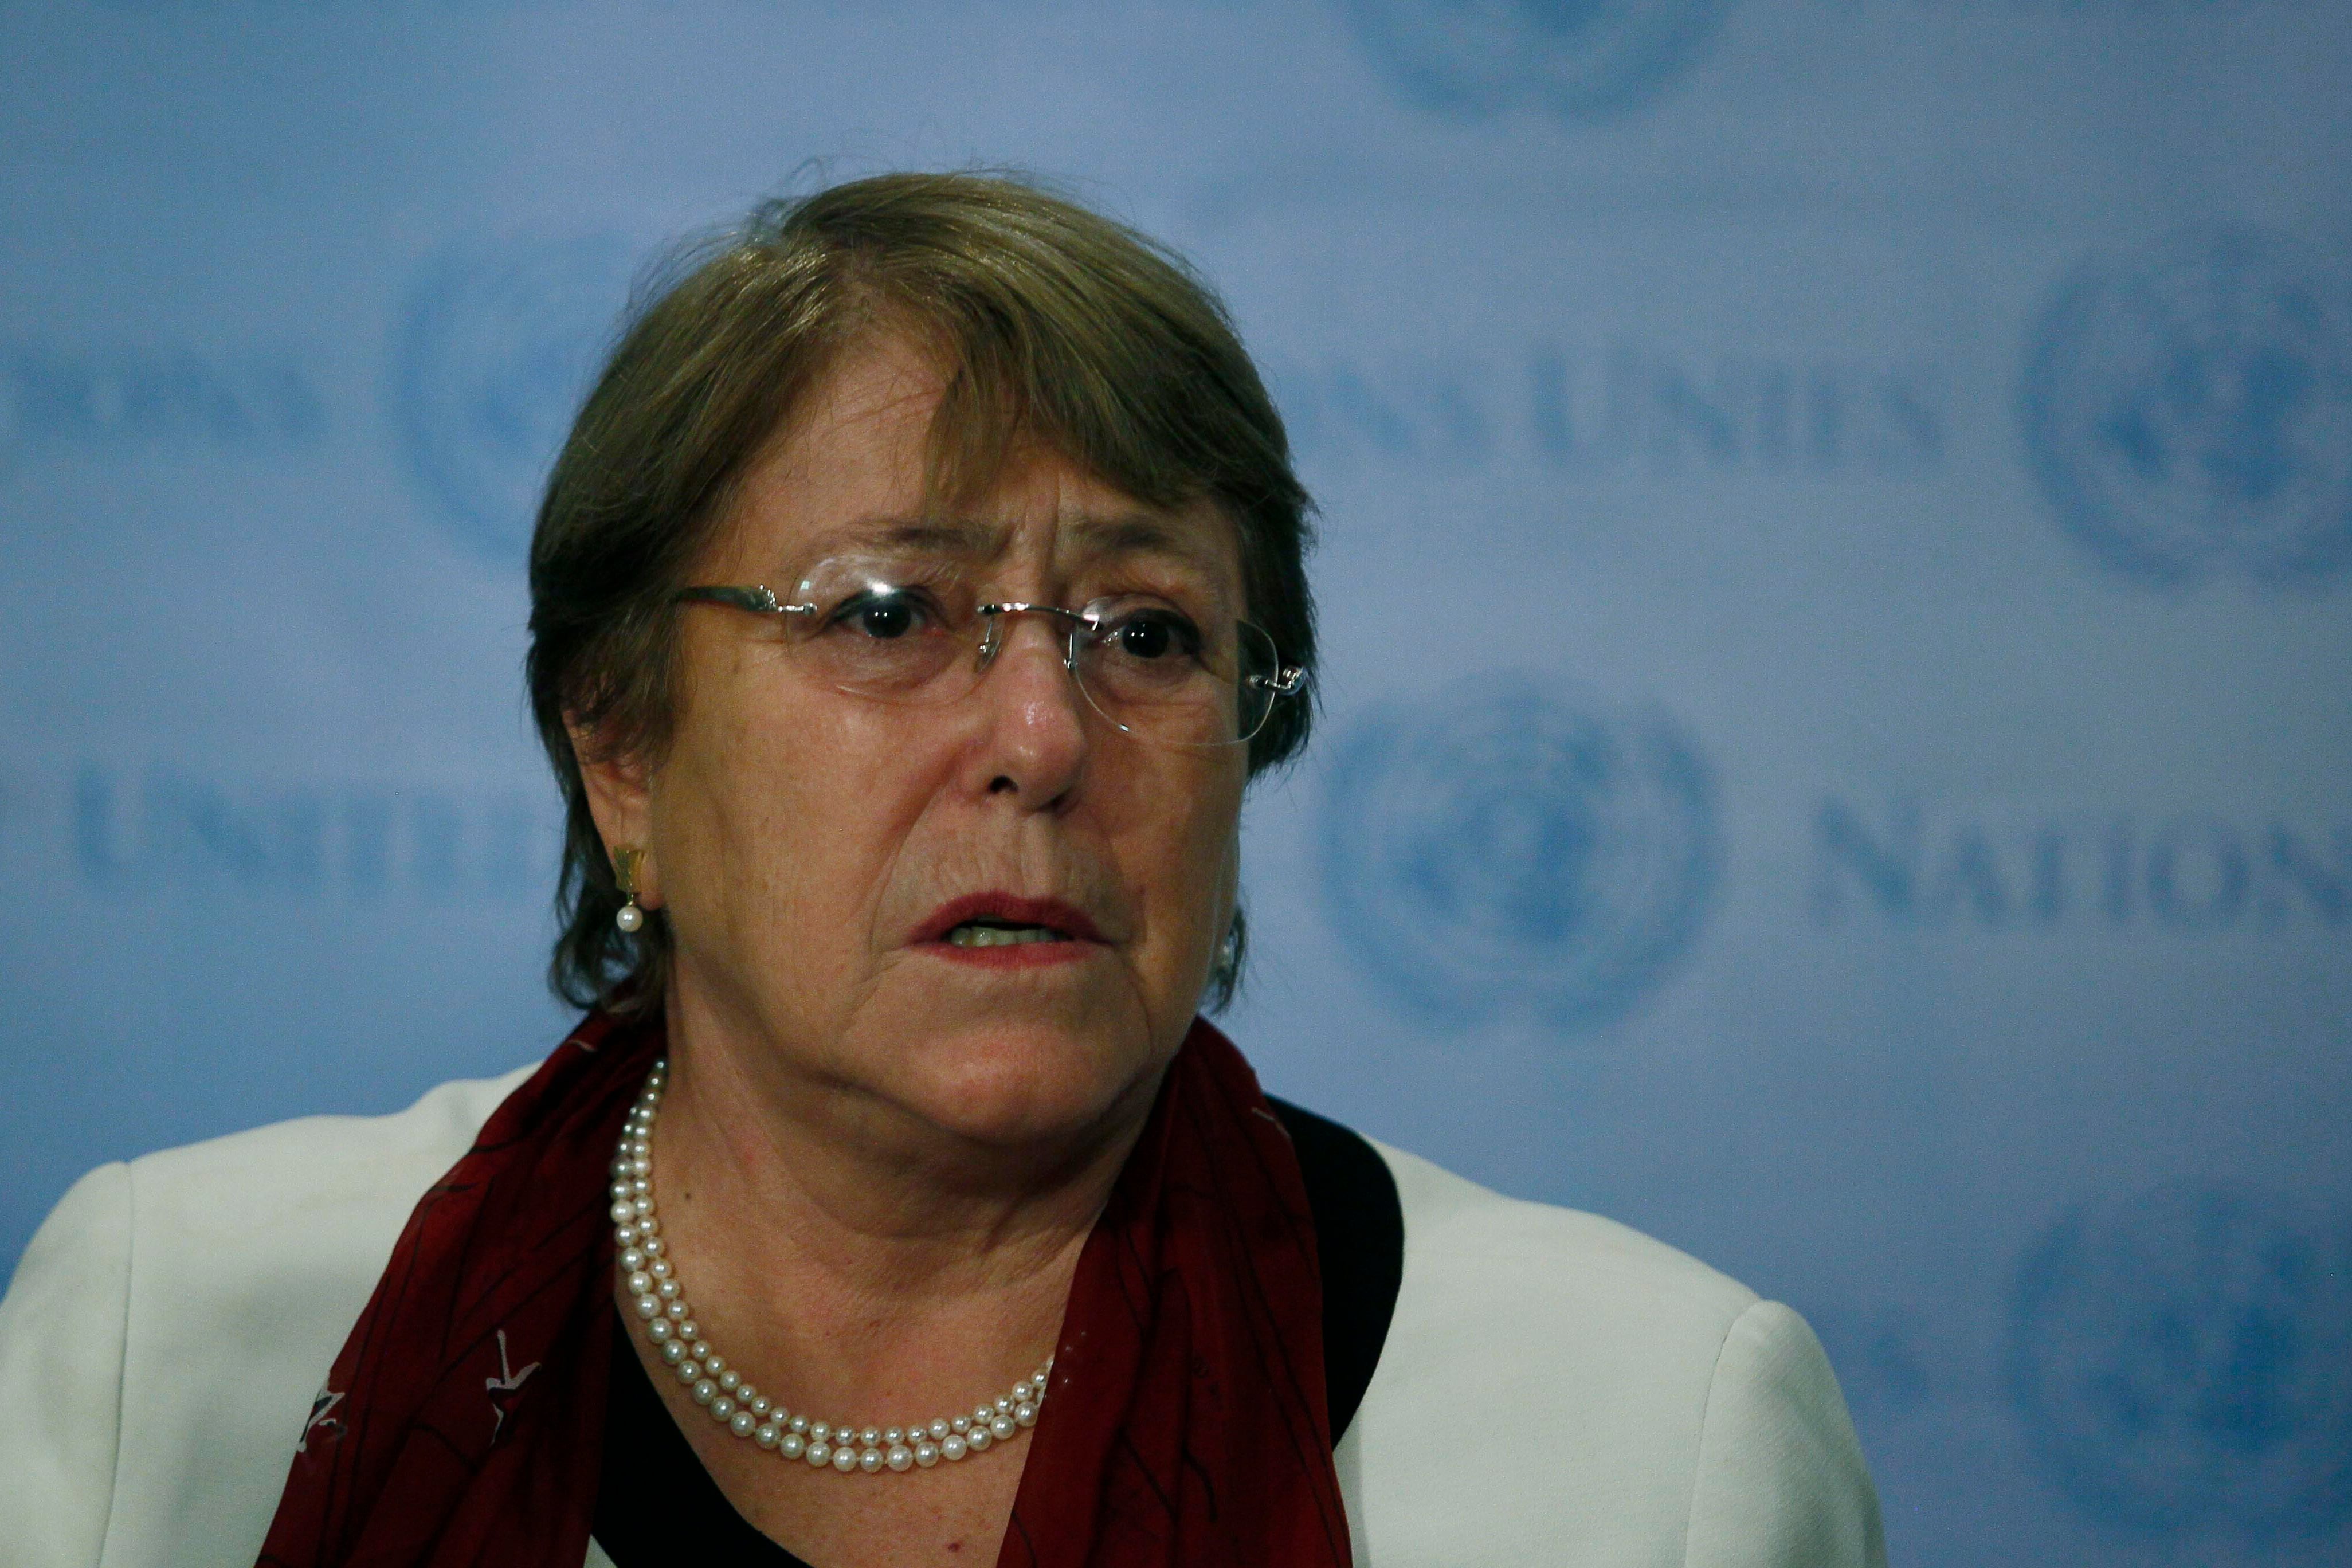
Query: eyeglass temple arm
x,y
758,598
1285,682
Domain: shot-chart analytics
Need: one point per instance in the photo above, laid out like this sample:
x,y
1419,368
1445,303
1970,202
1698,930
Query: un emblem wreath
x,y
2183,1361
1499,851
2189,413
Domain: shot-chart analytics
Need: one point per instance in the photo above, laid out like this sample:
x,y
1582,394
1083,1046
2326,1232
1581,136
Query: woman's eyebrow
x,y
977,541
970,541
1140,533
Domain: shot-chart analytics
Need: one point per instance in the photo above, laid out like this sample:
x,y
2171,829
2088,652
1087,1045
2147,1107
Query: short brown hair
x,y
1052,325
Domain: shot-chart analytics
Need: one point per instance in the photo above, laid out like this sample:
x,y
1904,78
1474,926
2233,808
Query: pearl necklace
x,y
735,1404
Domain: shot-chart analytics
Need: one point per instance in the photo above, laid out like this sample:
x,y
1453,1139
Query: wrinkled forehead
x,y
1047,526
891,452
1195,543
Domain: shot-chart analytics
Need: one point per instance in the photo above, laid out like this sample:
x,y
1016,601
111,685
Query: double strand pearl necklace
x,y
844,1445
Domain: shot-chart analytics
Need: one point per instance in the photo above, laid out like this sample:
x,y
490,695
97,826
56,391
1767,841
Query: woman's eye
x,y
888,619
882,617
1154,635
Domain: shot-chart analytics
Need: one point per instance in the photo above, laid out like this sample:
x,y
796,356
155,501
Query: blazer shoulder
x,y
1469,1241
61,1333
1781,1476
267,1174
1544,1392
240,1264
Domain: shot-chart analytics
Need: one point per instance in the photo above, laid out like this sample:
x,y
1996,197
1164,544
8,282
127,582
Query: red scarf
x,y
462,1423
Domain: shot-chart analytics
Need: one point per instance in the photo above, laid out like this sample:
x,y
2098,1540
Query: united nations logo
x,y
489,363
2184,1361
1586,60
1499,851
2190,413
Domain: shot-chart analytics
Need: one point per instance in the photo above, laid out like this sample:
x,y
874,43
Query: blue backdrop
x,y
1837,552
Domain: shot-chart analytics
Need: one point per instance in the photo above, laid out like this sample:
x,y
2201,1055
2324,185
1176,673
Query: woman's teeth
x,y
1002,936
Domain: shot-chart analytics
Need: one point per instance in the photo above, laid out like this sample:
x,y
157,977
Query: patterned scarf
x,y
462,1423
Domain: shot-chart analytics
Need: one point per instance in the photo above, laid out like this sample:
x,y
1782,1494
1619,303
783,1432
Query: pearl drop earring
x,y
628,916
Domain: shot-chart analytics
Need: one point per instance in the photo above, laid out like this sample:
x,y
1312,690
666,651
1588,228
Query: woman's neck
x,y
853,1259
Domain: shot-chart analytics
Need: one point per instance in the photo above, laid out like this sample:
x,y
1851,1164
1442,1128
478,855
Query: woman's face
x,y
813,847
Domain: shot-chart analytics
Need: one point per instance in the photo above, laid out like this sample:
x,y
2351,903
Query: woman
x,y
919,591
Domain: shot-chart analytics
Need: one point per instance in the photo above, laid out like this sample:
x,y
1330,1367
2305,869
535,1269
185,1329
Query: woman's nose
x,y
1034,739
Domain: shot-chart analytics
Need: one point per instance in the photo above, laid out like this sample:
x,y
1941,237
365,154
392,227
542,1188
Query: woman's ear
x,y
620,799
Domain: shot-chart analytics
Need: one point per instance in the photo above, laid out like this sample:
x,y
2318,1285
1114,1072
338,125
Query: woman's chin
x,y
1008,1085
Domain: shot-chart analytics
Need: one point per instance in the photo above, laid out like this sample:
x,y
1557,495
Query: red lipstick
x,y
1002,931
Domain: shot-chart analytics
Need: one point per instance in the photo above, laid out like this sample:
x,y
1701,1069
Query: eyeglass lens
x,y
1165,665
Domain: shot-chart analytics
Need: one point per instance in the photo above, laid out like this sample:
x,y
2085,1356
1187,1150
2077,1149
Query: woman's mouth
x,y
1004,929
1002,933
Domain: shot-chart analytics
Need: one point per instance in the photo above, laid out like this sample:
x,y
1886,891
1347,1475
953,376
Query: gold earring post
x,y
626,862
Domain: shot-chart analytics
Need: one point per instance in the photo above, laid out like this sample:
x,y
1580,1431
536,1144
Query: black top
x,y
655,1504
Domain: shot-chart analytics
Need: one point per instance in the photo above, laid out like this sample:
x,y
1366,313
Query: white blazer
x,y
1555,1389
